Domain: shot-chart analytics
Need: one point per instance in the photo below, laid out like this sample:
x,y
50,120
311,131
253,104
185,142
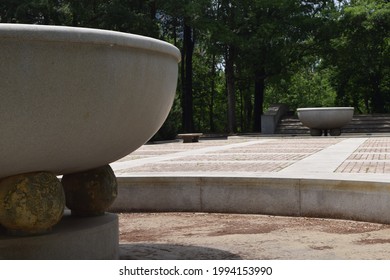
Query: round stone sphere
x,y
31,203
90,193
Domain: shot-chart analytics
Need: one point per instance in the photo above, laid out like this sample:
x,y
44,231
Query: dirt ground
x,y
200,236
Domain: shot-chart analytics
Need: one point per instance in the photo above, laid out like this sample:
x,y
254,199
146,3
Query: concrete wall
x,y
270,119
364,201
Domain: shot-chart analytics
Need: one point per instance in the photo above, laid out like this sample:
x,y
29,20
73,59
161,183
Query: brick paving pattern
x,y
371,157
254,155
272,155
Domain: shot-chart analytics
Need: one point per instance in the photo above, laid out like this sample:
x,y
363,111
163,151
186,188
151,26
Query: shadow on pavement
x,y
147,251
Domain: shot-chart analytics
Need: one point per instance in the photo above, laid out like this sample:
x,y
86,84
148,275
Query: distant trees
x,y
358,52
238,56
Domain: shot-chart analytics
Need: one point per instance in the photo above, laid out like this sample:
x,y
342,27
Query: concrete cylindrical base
x,y
72,238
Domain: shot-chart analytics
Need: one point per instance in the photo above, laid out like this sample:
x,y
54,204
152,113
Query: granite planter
x,y
73,99
325,119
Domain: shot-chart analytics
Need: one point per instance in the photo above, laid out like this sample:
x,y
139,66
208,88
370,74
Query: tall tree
x,y
359,51
267,37
277,35
187,14
187,73
224,21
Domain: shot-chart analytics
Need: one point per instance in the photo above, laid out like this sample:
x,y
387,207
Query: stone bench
x,y
190,137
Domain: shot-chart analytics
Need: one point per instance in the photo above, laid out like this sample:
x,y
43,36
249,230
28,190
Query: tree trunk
x,y
188,49
377,101
211,105
153,9
259,100
248,107
230,85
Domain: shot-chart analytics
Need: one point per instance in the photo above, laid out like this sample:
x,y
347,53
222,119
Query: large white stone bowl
x,y
73,99
325,118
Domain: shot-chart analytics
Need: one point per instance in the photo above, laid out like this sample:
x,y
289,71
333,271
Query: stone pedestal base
x,y
320,132
72,238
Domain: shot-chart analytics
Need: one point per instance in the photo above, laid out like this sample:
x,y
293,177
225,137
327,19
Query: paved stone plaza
x,y
235,236
257,156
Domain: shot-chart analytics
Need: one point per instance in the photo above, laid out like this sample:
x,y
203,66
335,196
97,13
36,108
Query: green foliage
x,y
209,94
308,87
35,12
359,53
133,16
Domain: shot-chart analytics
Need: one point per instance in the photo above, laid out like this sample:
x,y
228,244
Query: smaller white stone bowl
x,y
325,118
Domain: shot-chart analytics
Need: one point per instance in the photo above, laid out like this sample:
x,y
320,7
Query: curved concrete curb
x,y
326,198
72,239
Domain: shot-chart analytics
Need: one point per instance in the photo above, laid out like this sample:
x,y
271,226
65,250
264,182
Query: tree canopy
x,y
238,57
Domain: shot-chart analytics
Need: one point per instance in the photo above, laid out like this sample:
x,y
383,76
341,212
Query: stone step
x,y
358,124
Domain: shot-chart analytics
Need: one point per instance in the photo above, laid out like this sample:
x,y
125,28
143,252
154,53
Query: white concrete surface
x,y
327,160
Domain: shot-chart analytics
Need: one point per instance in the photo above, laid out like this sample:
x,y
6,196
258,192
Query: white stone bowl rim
x,y
325,108
85,35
